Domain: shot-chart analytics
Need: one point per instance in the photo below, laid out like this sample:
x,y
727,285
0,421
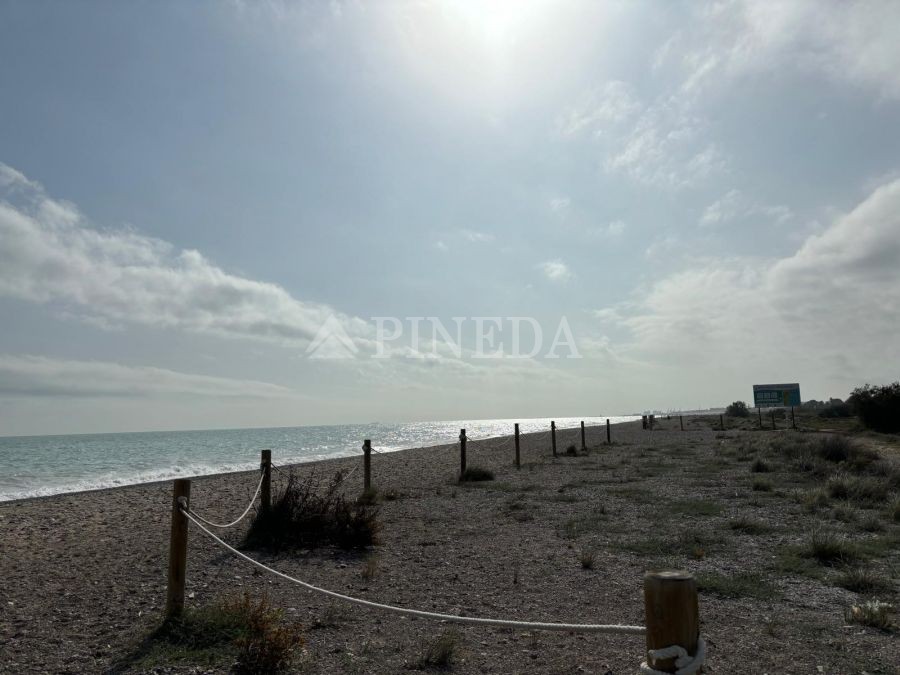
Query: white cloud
x,y
560,204
40,376
477,237
599,109
733,205
50,255
614,228
830,311
555,270
849,42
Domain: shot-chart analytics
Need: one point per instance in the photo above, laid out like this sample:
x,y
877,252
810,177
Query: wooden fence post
x,y
773,419
181,496
793,419
722,422
265,493
583,444
462,452
553,436
759,410
367,465
518,464
643,421
608,441
681,421
672,615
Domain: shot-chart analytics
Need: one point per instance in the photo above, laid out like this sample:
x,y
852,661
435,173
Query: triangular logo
x,y
332,342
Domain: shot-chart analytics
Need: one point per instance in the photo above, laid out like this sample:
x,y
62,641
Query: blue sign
x,y
776,395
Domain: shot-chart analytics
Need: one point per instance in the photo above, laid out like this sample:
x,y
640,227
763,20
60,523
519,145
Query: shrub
x,y
250,632
475,473
571,451
738,409
862,580
836,411
862,490
439,654
760,466
838,449
878,408
761,484
587,558
873,613
828,549
300,517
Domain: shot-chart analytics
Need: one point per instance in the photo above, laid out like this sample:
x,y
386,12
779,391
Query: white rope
x,y
240,517
533,625
684,662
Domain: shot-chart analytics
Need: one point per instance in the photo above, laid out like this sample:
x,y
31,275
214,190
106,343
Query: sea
x,y
36,466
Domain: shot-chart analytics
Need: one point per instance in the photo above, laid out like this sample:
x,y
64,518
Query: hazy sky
x,y
708,193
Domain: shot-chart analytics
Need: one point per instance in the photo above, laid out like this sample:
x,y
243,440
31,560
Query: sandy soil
x,y
84,574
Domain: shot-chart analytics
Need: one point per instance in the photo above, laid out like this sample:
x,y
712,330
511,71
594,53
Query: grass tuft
x,y
760,466
863,580
439,653
828,549
741,585
474,474
874,614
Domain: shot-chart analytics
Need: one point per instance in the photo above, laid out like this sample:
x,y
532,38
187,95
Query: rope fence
x,y
671,629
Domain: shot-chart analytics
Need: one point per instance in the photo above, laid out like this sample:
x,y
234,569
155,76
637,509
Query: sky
x,y
205,208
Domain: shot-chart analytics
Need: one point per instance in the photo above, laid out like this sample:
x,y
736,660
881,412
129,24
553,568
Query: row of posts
x,y
671,608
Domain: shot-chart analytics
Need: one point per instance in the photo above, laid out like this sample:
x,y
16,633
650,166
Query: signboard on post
x,y
776,395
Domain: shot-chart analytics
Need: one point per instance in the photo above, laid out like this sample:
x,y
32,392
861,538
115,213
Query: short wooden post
x,y
583,444
672,614
462,452
181,496
265,493
608,441
367,465
793,419
518,462
681,421
773,419
553,436
643,421
759,410
722,422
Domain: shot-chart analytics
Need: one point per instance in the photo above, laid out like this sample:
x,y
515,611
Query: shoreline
x,y
214,474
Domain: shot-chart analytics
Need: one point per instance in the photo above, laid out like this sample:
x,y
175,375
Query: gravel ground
x,y
84,574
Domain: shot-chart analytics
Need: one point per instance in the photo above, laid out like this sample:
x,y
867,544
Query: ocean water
x,y
33,466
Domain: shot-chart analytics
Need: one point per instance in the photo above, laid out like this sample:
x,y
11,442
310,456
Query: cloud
x,y
560,204
600,108
51,255
555,270
477,237
848,42
733,205
614,228
830,311
40,376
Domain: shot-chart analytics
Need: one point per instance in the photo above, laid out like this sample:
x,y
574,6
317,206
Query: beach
x,y
84,574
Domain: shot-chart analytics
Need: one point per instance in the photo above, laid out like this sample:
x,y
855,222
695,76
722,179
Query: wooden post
x,y
518,463
367,465
650,420
643,421
722,422
773,419
583,445
265,493
759,410
793,419
181,496
681,421
462,451
672,615
553,436
608,441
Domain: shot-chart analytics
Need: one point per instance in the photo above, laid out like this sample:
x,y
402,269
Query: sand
x,y
84,574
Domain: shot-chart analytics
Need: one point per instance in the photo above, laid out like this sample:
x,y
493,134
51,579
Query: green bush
x,y
738,409
302,517
878,407
836,411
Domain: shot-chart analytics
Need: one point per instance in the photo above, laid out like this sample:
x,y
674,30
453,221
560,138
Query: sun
x,y
496,23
